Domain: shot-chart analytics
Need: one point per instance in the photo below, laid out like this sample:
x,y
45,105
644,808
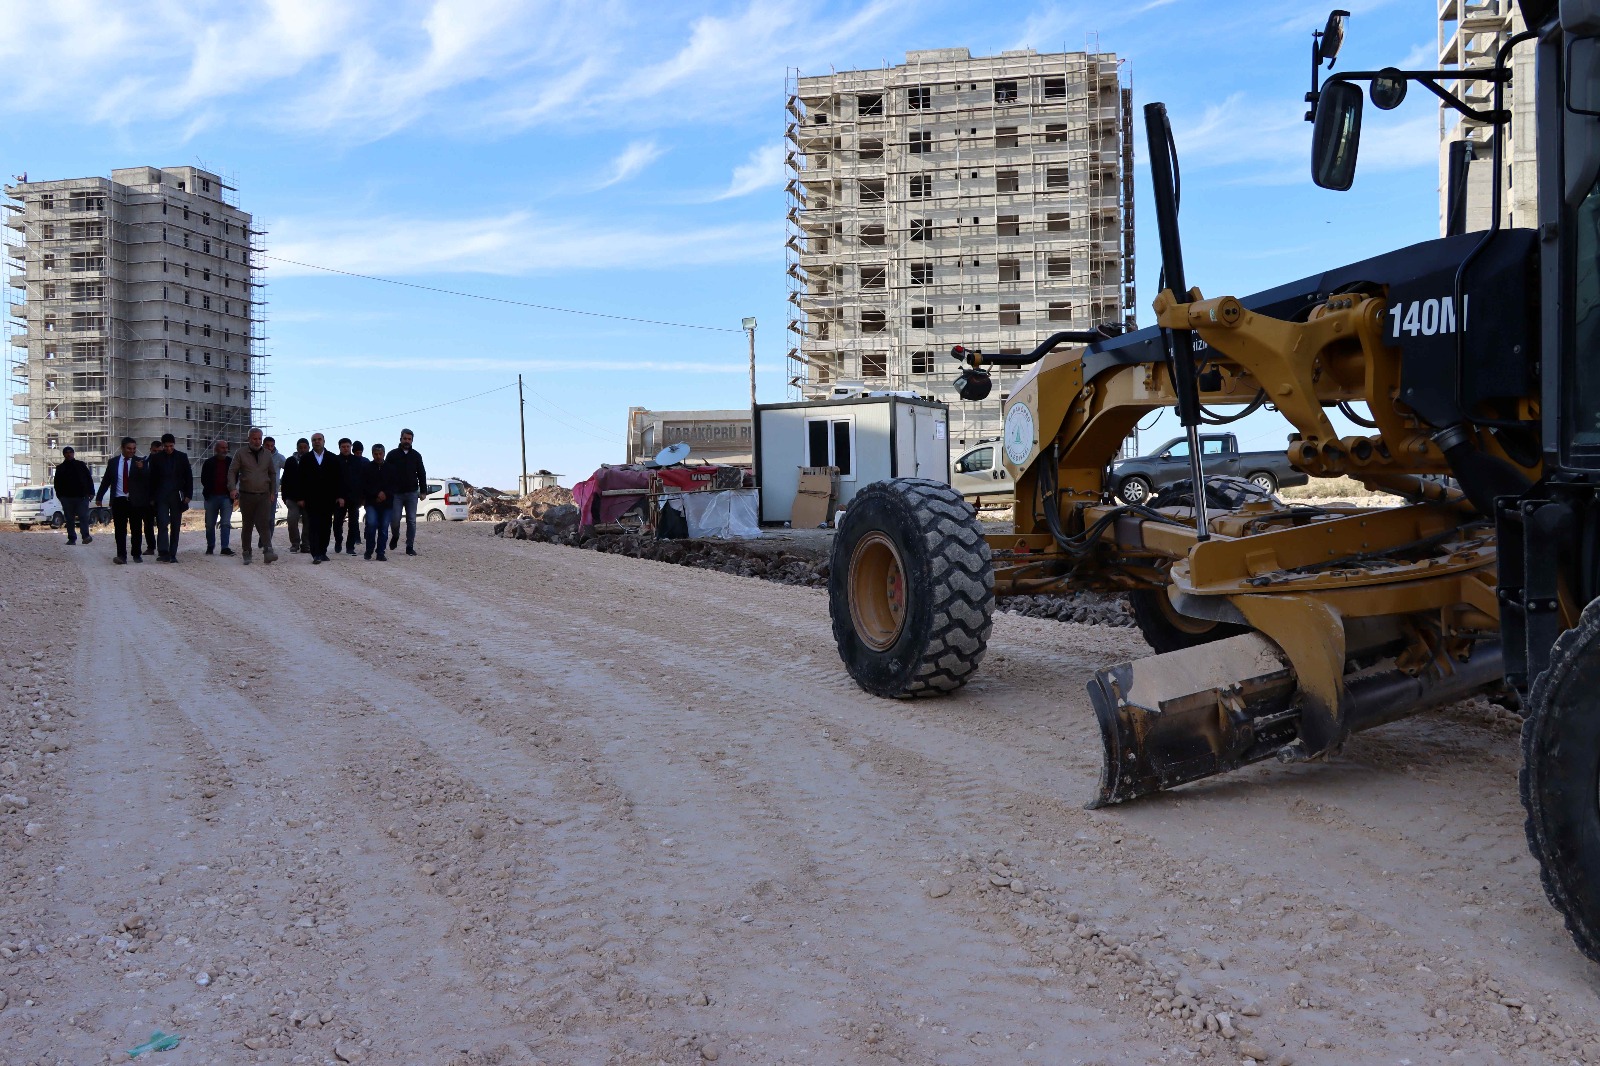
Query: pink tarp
x,y
596,509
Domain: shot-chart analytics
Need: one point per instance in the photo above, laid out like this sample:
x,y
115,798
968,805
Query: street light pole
x,y
522,419
750,328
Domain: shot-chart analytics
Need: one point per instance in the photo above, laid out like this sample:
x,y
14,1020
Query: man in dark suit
x,y
291,485
147,513
74,485
347,519
171,487
127,479
321,484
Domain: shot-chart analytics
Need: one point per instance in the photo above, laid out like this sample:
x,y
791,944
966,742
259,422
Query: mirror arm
x,y
1429,79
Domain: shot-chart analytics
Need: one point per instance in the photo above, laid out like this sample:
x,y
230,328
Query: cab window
x,y
1211,447
982,459
433,488
1179,450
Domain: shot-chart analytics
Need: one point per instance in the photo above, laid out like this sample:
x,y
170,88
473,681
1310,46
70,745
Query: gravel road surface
x,y
511,803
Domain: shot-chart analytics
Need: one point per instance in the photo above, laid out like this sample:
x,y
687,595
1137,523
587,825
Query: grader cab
x,y
1281,629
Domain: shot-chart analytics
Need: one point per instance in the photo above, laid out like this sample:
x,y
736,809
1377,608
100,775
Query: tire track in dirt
x,y
762,862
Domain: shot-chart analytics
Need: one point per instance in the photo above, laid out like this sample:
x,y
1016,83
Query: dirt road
x,y
516,803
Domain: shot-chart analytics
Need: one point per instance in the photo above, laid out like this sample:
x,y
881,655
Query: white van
x,y
445,499
36,505
980,474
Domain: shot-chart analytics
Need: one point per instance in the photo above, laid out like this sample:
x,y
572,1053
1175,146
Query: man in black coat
x,y
127,479
412,477
321,486
291,485
171,488
74,486
348,517
147,514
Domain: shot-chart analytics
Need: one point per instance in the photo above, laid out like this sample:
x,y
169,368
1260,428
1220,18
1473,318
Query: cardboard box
x,y
813,503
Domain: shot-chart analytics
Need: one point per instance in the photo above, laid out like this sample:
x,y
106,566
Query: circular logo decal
x,y
1019,434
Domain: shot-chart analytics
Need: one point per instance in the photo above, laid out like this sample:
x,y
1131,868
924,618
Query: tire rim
x,y
877,591
1263,483
1134,491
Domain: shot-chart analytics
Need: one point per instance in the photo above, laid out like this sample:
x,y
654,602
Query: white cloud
x,y
763,170
366,68
1272,140
630,161
514,243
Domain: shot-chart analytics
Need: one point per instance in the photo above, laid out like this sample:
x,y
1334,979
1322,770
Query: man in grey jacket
x,y
253,484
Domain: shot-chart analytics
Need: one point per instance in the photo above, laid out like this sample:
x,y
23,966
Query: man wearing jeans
x,y
74,485
411,479
219,503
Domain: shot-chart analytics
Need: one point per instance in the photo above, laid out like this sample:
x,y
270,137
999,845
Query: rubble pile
x,y
1083,607
486,505
558,524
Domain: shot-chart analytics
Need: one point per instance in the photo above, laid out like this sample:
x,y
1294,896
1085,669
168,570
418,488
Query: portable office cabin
x,y
868,438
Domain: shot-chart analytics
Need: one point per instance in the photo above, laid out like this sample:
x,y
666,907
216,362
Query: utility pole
x,y
750,328
522,418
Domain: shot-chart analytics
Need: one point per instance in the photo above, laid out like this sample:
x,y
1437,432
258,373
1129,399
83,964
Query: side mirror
x,y
1336,137
972,384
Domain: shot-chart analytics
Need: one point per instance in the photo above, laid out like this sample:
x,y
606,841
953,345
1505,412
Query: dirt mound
x,y
770,562
485,506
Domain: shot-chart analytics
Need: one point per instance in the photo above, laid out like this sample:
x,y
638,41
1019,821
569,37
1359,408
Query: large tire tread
x,y
959,583
1548,719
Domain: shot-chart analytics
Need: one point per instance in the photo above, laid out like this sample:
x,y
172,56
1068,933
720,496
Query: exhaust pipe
x,y
1190,714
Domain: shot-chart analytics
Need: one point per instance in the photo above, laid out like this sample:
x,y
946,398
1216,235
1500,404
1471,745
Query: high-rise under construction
x,y
952,200
134,312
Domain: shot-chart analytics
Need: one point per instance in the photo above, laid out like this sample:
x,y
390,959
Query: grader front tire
x,y
1561,779
910,589
1164,629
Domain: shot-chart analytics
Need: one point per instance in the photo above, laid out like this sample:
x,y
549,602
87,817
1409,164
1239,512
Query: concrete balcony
x,y
19,399
19,311
19,429
16,220
19,339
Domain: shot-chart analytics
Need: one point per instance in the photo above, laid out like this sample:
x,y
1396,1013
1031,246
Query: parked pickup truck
x,y
1137,478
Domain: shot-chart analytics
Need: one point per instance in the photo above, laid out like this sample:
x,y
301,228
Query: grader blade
x,y
1169,719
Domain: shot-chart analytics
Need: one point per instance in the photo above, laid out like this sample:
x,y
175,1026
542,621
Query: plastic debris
x,y
158,1041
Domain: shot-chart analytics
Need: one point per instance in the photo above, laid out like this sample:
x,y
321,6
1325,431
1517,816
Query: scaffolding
x,y
134,312
951,200
1471,34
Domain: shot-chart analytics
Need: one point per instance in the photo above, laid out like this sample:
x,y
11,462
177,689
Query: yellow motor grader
x,y
1280,628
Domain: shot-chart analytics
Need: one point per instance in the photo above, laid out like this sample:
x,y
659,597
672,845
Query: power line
x,y
502,300
419,410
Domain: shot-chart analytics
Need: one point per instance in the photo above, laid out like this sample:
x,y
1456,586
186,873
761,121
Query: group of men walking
x,y
323,492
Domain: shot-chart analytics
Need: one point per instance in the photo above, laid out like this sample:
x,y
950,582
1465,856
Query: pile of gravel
x,y
1083,607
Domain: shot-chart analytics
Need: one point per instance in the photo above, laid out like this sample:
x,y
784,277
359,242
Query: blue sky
x,y
625,158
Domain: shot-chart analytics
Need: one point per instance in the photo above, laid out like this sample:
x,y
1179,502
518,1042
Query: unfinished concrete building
x,y
134,312
954,200
1471,34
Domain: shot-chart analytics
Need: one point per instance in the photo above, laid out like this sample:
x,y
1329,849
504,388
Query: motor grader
x,y
1280,629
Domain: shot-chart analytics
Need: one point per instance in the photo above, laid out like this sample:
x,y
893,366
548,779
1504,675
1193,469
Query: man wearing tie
x,y
171,486
127,479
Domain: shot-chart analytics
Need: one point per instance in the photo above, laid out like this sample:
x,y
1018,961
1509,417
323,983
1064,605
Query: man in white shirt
x,y
127,479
